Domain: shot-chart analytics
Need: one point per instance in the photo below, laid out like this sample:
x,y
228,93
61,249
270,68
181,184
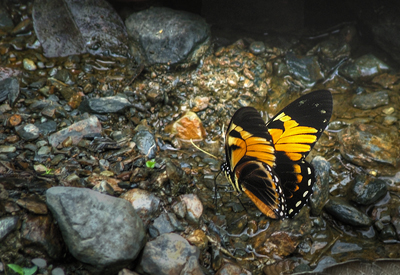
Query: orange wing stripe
x,y
265,209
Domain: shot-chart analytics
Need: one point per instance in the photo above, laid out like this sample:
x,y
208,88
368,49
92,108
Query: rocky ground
x,y
97,174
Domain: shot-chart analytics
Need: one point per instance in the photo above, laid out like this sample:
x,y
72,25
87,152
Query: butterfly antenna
x,y
205,152
245,209
215,188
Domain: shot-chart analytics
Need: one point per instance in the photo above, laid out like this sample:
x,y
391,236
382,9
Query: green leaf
x,y
30,270
150,163
16,268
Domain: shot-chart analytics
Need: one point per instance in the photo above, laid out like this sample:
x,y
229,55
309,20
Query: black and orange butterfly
x,y
267,161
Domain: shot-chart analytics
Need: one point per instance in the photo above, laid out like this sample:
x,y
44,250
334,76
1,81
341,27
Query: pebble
x,y
29,65
145,143
167,254
188,127
257,47
7,225
28,131
34,205
58,271
304,68
166,223
370,101
346,213
194,207
39,262
321,187
367,190
7,149
341,247
9,89
364,67
104,105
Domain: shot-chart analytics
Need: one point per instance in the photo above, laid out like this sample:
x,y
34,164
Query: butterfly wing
x,y
261,184
250,155
294,132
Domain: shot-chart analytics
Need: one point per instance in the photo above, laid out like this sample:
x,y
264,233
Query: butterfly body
x,y
267,161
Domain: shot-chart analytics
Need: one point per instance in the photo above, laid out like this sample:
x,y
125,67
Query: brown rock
x,y
188,127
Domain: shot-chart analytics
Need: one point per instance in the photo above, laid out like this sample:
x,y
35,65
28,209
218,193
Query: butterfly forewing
x,y
267,162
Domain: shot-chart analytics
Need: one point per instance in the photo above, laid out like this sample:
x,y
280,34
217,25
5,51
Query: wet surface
x,y
56,130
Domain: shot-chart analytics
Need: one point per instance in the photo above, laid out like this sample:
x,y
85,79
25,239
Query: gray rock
x,y
364,67
343,247
7,225
99,230
167,223
39,262
104,105
192,267
321,187
166,36
76,131
28,131
346,213
372,100
367,190
167,254
304,68
9,89
146,143
194,207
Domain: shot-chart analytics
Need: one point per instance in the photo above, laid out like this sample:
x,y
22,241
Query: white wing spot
x,y
298,203
290,211
309,182
305,194
309,170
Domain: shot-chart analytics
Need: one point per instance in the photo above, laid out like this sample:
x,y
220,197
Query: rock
x,y
304,68
57,271
321,187
27,131
104,105
257,47
229,269
167,223
6,22
369,145
40,233
367,190
364,67
145,142
39,262
188,127
167,254
7,225
9,89
166,36
34,205
194,207
372,100
29,65
198,238
5,149
99,230
346,213
192,267
76,131
343,247
145,203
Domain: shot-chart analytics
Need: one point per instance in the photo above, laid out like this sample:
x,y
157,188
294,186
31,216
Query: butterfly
x,y
267,161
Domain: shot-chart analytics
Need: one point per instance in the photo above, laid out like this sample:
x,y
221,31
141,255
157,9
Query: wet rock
x,y
58,271
7,225
6,22
229,269
321,187
39,233
304,68
34,205
343,247
192,266
99,230
5,149
167,254
77,131
257,47
198,238
29,65
27,131
145,142
388,233
87,32
167,223
346,213
369,145
145,203
183,37
194,207
104,105
280,267
367,189
9,89
364,67
372,100
187,127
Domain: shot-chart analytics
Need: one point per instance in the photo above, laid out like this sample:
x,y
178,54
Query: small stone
x,y
58,271
364,67
388,111
145,203
194,207
40,168
389,120
104,105
29,64
34,205
187,127
198,238
6,149
257,47
7,225
346,213
166,223
28,131
39,262
341,247
321,187
44,151
367,190
370,101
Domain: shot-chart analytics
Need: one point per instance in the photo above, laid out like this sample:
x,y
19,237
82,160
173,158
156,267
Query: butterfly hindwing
x,y
267,162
